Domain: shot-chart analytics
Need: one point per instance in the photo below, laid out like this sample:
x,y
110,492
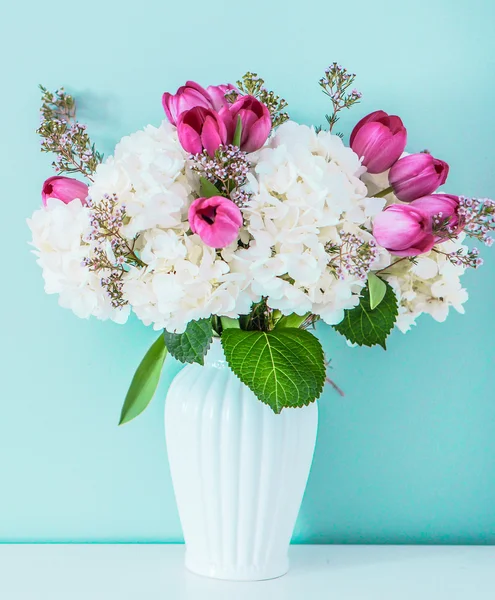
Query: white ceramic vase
x,y
239,471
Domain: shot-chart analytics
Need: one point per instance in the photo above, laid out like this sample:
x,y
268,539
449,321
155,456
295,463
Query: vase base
x,y
238,573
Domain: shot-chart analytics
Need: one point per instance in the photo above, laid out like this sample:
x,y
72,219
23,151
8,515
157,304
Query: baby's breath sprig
x,y
463,257
112,253
64,136
227,170
335,85
253,85
352,256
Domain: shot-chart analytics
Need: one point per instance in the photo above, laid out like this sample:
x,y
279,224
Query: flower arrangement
x,y
231,221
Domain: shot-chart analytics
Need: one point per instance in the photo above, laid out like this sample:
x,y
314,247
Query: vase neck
x,y
215,356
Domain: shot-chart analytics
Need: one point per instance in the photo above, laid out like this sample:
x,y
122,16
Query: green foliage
x,y
192,345
365,326
238,133
145,381
207,188
284,368
377,288
291,321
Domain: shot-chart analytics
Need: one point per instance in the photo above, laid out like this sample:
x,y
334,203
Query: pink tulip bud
x,y
65,189
443,210
417,175
255,119
200,128
217,94
413,229
216,220
187,96
379,139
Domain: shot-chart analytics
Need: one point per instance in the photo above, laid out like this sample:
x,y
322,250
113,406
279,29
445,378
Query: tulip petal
x,y
189,138
399,227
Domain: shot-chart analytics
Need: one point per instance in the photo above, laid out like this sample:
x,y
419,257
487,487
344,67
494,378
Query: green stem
x,y
384,192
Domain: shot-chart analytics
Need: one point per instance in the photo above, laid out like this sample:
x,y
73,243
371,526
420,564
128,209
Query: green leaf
x,y
228,323
238,132
365,326
192,345
291,321
207,189
145,381
377,288
284,368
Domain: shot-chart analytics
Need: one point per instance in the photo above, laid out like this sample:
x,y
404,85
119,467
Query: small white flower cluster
x,y
430,284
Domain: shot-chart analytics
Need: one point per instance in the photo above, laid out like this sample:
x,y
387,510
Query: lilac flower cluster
x,y
335,85
478,217
111,252
66,138
465,258
352,257
227,170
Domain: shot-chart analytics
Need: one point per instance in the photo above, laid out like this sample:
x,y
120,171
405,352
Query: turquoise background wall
x,y
408,455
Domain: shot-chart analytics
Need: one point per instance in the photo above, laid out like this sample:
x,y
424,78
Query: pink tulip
x,y
217,94
216,220
255,118
417,175
413,229
200,128
445,206
187,96
65,189
379,139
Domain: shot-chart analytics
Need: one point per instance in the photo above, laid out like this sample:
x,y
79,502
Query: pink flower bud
x,y
417,175
217,94
379,139
256,122
413,229
187,96
445,205
216,220
200,128
65,189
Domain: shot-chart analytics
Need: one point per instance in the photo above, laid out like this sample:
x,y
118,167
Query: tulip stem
x,y
383,193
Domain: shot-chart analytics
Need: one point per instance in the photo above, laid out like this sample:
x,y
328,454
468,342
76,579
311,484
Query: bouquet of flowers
x,y
229,220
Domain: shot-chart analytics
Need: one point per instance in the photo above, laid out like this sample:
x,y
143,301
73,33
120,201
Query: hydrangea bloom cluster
x,y
265,215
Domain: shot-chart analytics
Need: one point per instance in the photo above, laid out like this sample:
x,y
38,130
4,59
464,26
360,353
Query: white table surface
x,y
149,572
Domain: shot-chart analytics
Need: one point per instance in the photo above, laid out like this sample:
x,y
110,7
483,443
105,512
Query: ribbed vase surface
x,y
239,471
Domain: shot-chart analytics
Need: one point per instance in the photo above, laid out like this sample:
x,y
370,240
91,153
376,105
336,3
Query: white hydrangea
x,y
306,189
59,231
183,279
431,284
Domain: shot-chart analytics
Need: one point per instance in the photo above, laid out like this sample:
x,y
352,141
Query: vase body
x,y
239,471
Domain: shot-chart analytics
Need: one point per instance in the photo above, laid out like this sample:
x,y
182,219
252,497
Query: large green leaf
x,y
145,381
365,326
284,368
192,345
